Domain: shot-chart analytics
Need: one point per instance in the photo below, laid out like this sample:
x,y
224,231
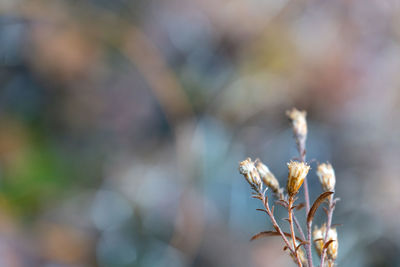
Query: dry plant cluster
x,y
298,244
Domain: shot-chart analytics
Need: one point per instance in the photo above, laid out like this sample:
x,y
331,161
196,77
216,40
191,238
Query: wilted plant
x,y
299,246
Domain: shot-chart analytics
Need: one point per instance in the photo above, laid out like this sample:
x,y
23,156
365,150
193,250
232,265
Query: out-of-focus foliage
x,y
122,123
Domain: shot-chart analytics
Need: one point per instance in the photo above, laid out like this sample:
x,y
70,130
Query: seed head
x,y
333,247
326,176
297,172
267,176
319,234
299,121
250,173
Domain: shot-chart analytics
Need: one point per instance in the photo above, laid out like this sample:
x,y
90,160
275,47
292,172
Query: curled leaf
x,y
328,243
302,244
316,204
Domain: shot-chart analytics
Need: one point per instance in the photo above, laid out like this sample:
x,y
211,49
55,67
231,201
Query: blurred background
x,y
122,124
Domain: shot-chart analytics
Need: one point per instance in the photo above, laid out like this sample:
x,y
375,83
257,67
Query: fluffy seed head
x,y
326,176
299,121
297,172
267,176
333,247
250,173
319,234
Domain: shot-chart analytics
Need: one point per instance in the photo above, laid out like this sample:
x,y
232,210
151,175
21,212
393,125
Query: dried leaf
x,y
316,204
328,243
300,206
273,233
302,244
262,210
283,203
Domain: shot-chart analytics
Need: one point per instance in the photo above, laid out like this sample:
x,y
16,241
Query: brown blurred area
x,y
122,123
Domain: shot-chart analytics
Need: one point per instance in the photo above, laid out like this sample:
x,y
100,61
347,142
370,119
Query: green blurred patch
x,y
34,178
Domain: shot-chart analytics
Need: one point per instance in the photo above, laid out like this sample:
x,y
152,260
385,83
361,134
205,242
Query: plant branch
x,y
328,227
264,199
301,147
290,211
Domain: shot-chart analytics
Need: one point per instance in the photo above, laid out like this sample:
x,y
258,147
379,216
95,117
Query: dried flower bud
x,y
319,234
333,247
267,177
299,122
326,176
297,172
250,173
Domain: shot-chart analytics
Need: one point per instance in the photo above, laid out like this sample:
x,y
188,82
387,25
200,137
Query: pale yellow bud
x,y
299,121
326,176
297,173
250,173
319,235
267,177
333,247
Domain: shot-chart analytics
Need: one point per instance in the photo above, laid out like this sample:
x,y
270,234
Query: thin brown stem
x,y
328,227
264,199
290,211
301,147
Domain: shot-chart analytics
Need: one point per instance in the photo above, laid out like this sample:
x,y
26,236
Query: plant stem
x,y
328,227
290,211
296,222
301,147
274,223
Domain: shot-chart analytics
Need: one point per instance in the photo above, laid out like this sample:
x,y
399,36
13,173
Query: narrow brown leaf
x,y
328,243
272,233
262,210
302,244
283,203
316,204
300,206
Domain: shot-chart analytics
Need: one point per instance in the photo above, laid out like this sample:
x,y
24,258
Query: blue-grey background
x,y
122,124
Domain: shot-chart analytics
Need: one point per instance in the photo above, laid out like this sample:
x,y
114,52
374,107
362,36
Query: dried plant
x,y
298,244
